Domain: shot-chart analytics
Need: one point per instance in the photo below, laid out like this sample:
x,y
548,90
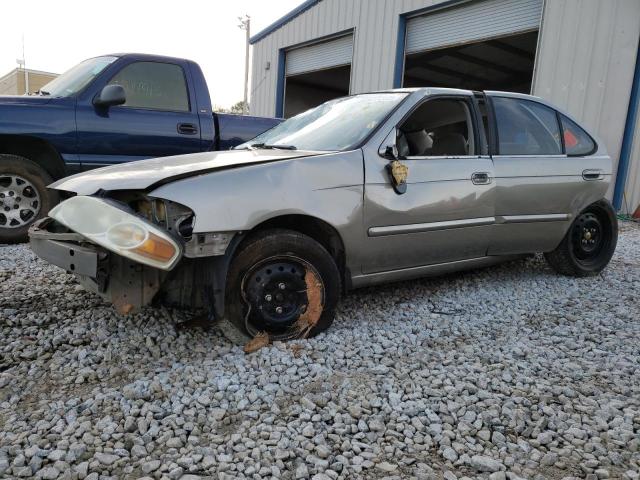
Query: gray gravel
x,y
504,373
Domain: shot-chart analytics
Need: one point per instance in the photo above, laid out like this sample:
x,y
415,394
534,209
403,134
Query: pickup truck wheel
x,y
589,244
282,283
23,196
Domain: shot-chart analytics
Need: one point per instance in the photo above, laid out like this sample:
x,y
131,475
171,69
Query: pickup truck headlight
x,y
118,231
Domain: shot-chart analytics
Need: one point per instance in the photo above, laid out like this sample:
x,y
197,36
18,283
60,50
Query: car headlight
x,y
118,231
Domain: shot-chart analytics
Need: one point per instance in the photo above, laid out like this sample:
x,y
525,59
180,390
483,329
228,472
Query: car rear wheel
x,y
589,244
23,196
284,284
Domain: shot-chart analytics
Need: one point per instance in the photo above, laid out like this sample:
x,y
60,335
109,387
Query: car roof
x,y
451,91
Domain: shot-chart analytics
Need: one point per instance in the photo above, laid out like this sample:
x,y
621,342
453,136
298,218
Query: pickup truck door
x,y
447,211
543,177
159,118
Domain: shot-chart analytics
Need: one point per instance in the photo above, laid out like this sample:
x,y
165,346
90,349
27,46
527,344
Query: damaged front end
x,y
134,250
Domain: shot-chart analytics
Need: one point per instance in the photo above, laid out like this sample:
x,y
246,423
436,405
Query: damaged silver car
x,y
361,190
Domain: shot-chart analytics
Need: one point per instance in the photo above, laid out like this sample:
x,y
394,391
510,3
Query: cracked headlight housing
x,y
119,231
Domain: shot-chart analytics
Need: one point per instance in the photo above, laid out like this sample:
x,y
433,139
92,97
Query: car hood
x,y
144,174
24,100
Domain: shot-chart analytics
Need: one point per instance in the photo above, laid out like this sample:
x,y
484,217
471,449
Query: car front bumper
x,y
64,249
126,284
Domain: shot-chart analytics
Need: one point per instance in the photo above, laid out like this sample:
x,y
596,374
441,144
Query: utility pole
x,y
245,24
23,64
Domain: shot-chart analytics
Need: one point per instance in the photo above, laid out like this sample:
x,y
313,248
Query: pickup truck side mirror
x,y
110,96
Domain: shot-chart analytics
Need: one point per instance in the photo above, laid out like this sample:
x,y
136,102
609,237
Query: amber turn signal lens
x,y
156,248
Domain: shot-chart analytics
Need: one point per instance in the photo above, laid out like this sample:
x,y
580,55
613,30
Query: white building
x,y
582,55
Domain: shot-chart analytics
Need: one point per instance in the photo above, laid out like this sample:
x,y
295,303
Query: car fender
x,y
328,187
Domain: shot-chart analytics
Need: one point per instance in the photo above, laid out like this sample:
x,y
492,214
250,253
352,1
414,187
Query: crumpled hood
x,y
142,174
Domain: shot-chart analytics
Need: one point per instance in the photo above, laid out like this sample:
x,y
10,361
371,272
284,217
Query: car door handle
x,y
593,174
187,129
481,178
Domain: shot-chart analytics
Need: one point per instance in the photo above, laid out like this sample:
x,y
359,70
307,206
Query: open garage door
x,y
483,45
317,73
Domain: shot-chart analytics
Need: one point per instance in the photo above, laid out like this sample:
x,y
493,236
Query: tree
x,y
238,107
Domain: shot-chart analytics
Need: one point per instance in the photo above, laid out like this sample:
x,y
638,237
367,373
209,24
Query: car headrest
x,y
419,142
449,144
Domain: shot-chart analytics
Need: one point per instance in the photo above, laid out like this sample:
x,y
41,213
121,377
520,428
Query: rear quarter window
x,y
577,142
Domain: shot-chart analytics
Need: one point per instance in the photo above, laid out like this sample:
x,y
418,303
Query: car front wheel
x,y
589,244
284,284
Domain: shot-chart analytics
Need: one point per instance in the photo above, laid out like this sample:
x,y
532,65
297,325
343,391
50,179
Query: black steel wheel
x,y
589,244
282,283
275,291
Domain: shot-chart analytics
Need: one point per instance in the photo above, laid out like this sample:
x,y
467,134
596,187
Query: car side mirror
x,y
391,152
110,96
389,148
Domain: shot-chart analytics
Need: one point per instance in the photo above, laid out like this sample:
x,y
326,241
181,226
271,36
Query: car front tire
x,y
24,197
589,244
282,283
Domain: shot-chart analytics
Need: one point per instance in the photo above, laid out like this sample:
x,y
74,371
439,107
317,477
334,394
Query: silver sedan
x,y
361,190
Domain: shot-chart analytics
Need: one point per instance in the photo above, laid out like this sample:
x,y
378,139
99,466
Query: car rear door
x,y
447,210
543,176
159,118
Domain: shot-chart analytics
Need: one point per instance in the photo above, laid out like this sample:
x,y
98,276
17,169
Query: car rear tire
x,y
282,283
589,243
24,197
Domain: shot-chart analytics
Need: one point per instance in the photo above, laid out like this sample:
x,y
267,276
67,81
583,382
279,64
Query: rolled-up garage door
x,y
318,56
472,22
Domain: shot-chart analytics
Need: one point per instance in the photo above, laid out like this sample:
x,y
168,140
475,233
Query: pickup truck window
x,y
337,125
154,86
74,80
526,127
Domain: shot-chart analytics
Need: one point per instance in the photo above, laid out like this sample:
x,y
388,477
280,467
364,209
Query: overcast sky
x,y
58,34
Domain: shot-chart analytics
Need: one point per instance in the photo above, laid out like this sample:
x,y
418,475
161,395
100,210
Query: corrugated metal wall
x,y
585,62
376,31
632,191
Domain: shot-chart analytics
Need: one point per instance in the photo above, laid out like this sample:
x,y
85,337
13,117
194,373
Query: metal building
x,y
582,55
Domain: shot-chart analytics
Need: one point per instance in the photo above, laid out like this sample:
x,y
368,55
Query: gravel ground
x,y
508,372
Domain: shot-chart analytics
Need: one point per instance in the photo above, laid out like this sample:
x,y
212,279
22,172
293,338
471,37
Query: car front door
x,y
543,176
447,210
159,117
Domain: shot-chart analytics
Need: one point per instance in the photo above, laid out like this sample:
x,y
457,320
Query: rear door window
x,y
577,142
154,86
526,127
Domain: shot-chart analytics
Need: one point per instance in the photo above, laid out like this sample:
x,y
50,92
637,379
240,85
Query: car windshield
x,y
74,80
340,124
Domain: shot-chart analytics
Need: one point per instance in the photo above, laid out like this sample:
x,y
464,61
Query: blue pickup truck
x,y
105,110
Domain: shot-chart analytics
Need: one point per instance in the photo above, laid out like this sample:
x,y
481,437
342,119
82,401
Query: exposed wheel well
x,y
35,149
313,227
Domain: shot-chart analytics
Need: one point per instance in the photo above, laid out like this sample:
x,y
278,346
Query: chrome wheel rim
x,y
19,201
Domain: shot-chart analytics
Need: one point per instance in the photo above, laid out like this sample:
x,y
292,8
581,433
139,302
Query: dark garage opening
x,y
504,63
310,89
